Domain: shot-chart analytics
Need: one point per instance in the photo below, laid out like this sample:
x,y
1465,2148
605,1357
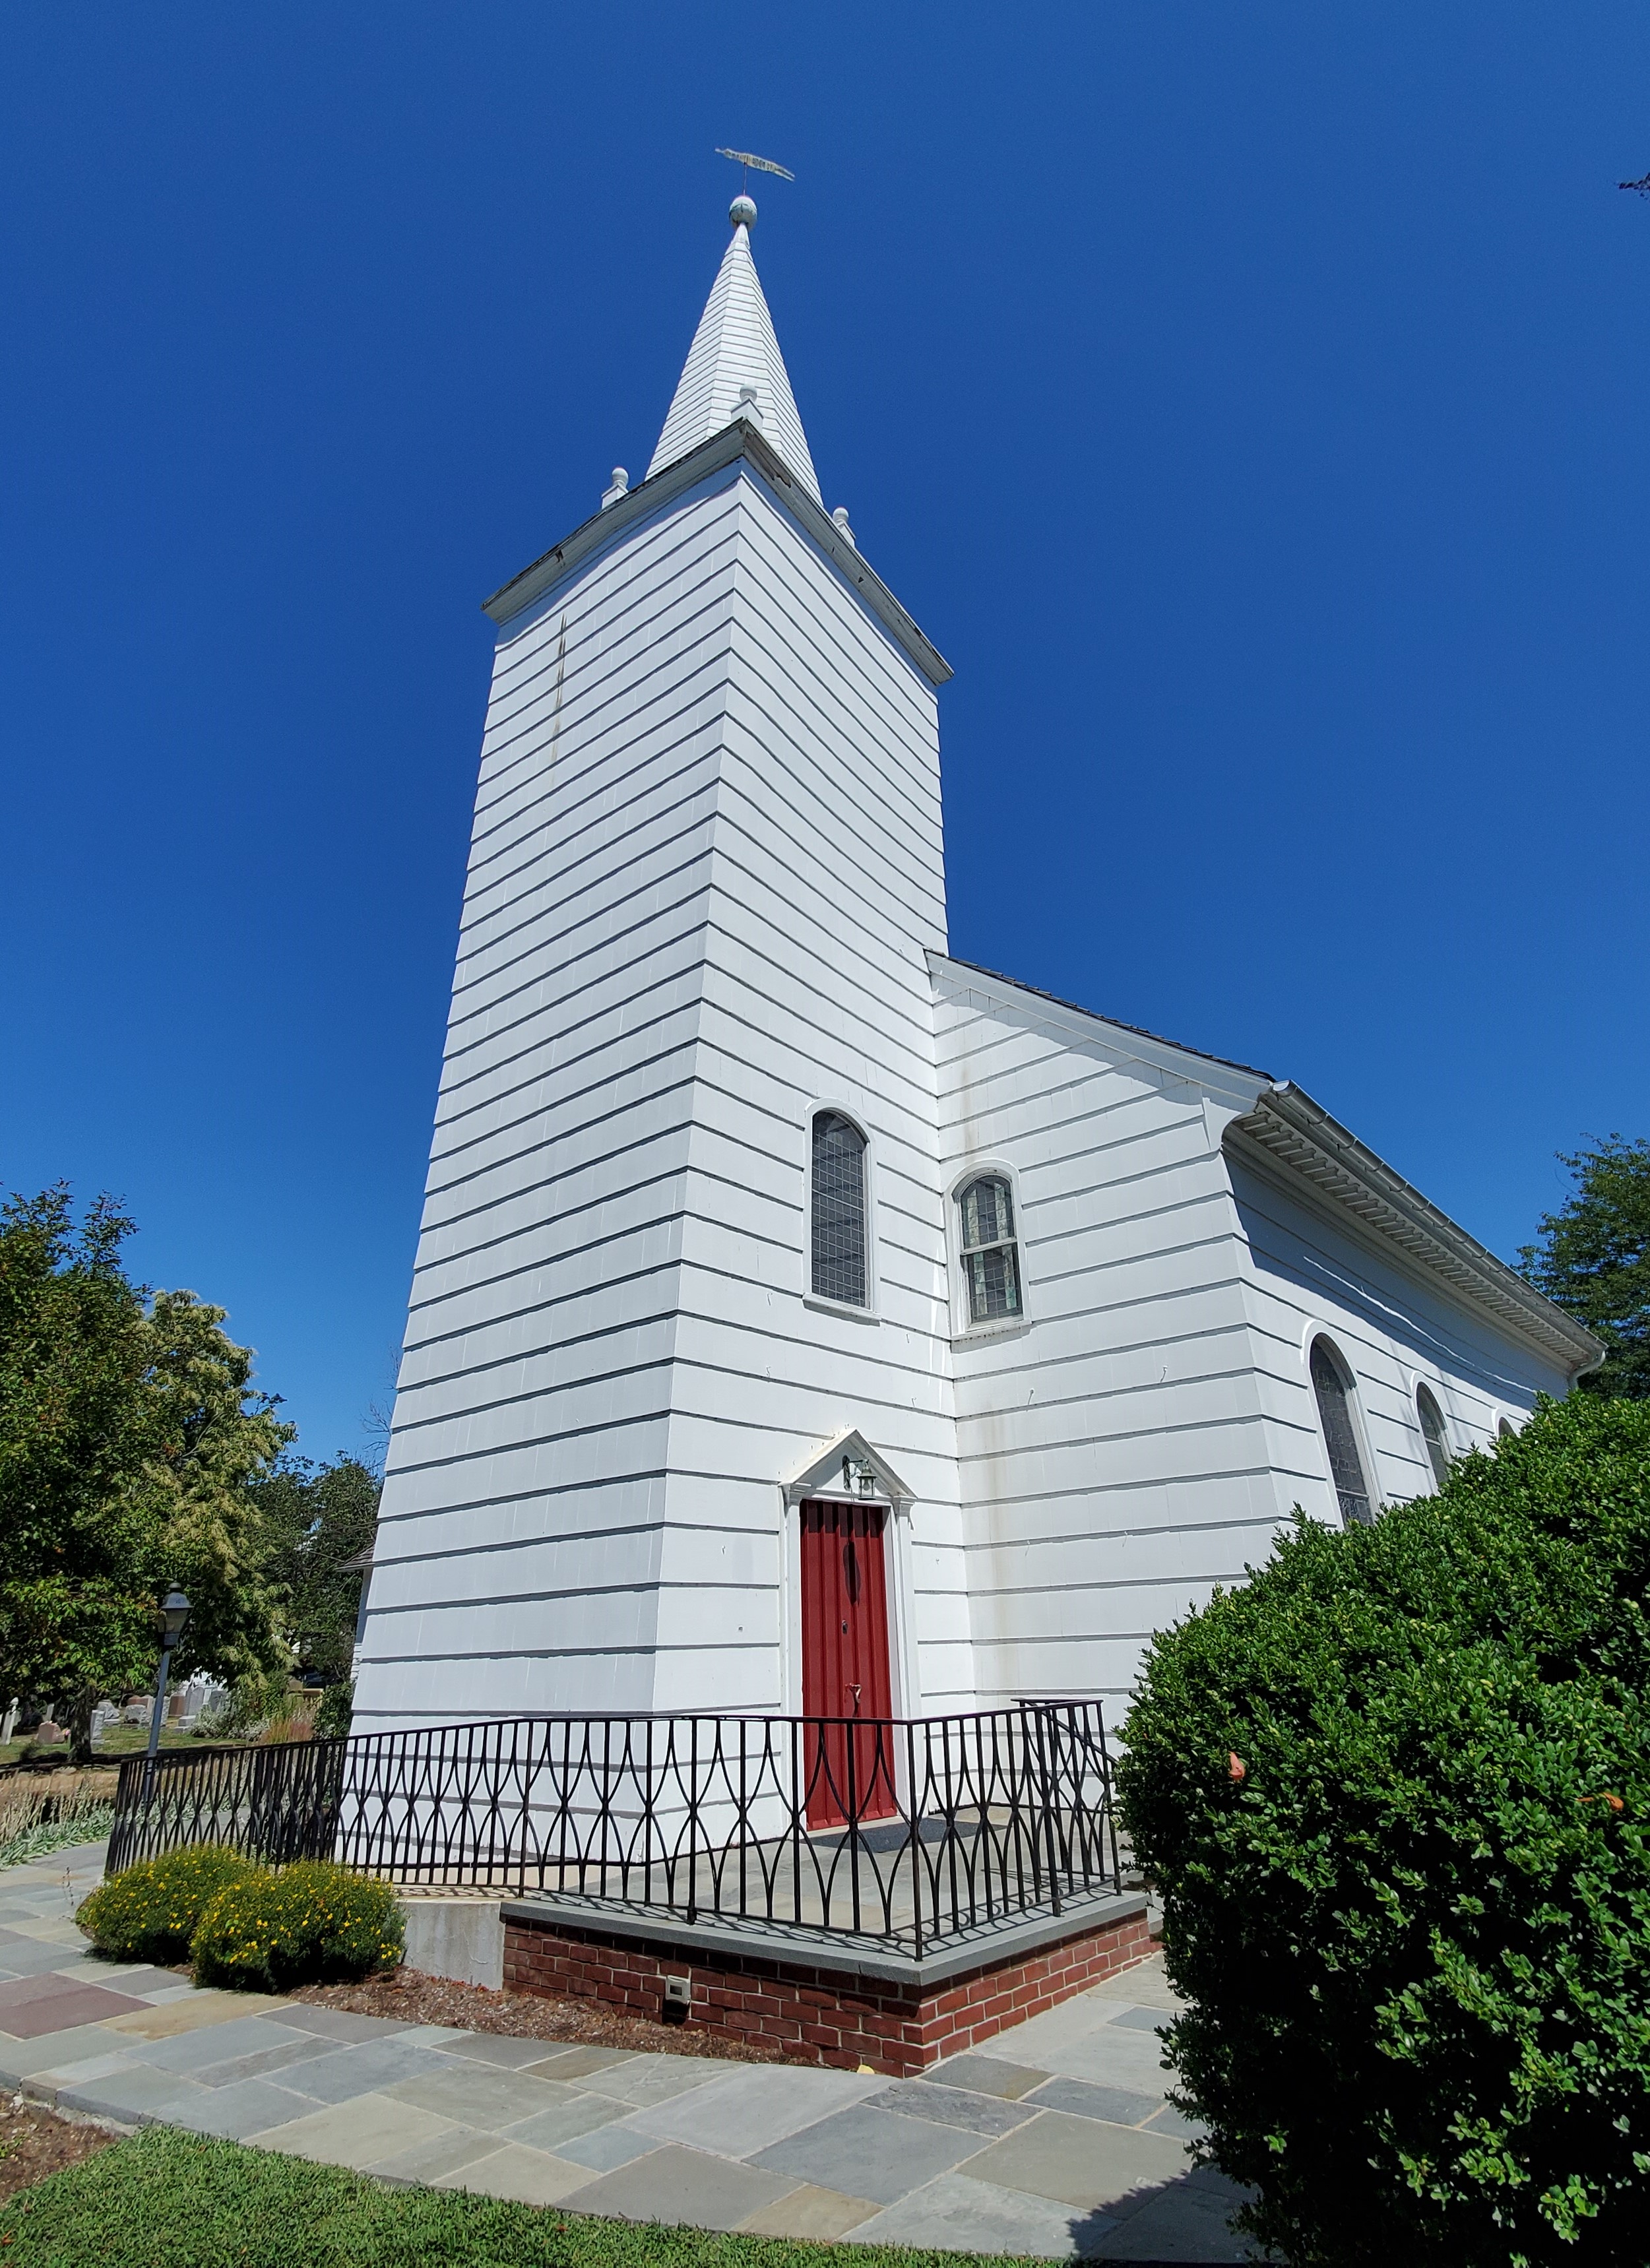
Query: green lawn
x,y
165,2199
118,1740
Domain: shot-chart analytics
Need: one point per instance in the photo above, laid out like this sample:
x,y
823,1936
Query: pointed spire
x,y
734,366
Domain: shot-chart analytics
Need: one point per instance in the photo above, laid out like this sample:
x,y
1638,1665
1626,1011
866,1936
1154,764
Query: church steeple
x,y
734,366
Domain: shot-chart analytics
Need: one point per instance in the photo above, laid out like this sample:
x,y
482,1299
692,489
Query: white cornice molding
x,y
740,439
1283,1124
1289,1128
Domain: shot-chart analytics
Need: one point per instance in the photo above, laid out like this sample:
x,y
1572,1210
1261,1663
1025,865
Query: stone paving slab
x,y
529,2177
34,2006
573,2114
987,2074
820,2215
479,2095
356,2133
371,2068
957,2213
604,2148
679,2185
1060,2144
1119,2106
34,1957
885,2155
1079,2161
752,2106
246,2106
954,2106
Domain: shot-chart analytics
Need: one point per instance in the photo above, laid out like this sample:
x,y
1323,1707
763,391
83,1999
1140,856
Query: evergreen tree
x,y
1593,1259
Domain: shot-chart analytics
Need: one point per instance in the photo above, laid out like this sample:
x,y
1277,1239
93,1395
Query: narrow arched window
x,y
1432,1434
990,1254
838,1225
1340,1435
1504,1432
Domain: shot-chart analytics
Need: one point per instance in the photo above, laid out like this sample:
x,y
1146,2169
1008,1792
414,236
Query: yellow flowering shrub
x,y
312,1924
151,1911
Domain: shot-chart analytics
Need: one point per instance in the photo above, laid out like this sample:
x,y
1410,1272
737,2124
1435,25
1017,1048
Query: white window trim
x,y
871,1313
1319,1329
964,1333
1423,1380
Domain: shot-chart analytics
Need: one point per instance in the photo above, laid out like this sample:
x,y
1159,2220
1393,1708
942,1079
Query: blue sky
x,y
1250,402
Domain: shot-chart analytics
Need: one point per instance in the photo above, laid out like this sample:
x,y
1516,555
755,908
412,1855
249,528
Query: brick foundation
x,y
818,2014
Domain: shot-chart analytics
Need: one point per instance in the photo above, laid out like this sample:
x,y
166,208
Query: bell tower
x,y
706,868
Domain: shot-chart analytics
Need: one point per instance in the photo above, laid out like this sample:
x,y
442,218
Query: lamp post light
x,y
171,1619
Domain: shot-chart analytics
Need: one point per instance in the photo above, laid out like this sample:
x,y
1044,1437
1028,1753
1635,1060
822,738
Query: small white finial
x,y
839,520
742,212
621,487
748,406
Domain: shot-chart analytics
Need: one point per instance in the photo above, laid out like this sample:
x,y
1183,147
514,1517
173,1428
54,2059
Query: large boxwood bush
x,y
1394,1794
311,1924
151,1911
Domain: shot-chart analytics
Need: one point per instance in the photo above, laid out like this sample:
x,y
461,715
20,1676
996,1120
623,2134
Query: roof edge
x,y
1170,1053
1300,1133
1282,1120
741,439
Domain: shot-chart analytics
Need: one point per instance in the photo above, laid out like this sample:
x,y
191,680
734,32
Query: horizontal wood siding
x,y
1306,1268
705,872
1113,1454
526,1500
828,889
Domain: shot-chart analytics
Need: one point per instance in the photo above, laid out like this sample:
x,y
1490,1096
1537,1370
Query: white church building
x,y
804,1318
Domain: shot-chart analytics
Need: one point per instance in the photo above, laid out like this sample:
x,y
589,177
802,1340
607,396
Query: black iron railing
x,y
910,1831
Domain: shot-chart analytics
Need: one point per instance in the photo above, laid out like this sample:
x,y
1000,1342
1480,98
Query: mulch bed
x,y
35,2142
412,1998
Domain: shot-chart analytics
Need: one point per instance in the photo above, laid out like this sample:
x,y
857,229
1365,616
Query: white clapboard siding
x,y
1142,1436
706,871
705,900
1112,1454
1310,1270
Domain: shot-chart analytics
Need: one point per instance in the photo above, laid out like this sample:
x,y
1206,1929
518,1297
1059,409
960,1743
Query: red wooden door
x,y
846,1672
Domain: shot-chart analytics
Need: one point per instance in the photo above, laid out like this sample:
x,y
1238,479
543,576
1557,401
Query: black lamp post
x,y
171,1618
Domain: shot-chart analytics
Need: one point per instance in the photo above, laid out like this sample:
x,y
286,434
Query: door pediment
x,y
826,1477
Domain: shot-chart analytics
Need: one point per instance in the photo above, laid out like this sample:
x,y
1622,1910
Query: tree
x,y
322,1518
129,1435
1396,1795
1593,1258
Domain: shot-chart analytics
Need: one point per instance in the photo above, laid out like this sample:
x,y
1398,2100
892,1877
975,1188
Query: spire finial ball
x,y
742,212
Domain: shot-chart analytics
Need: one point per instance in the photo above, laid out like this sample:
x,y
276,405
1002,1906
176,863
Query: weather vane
x,y
748,158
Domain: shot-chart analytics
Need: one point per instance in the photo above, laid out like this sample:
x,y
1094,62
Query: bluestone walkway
x,y
1057,2141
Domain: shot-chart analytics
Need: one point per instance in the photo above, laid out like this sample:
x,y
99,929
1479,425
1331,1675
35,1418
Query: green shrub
x,y
312,1923
151,1911
337,1705
1395,1795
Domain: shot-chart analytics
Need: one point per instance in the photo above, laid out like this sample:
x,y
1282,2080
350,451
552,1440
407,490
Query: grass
x,y
117,1741
166,2199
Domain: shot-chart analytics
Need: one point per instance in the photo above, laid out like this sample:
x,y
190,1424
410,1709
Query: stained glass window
x,y
839,1210
1432,1432
1340,1438
990,1255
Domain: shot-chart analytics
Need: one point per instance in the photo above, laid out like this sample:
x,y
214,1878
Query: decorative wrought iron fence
x,y
909,1831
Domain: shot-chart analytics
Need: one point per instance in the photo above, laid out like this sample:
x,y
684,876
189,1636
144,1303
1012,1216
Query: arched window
x,y
1340,1436
838,1226
1432,1432
1504,1431
990,1255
